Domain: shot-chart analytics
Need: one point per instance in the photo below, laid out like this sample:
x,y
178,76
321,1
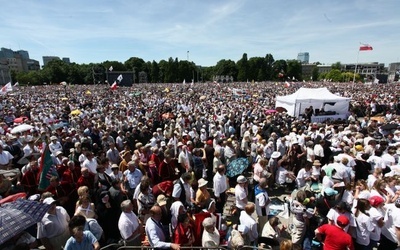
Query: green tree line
x,y
174,70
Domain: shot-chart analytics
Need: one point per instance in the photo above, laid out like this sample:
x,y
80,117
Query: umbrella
x,y
63,83
88,92
19,215
379,119
280,109
76,112
64,99
13,197
237,167
20,119
389,126
168,116
270,111
202,98
21,128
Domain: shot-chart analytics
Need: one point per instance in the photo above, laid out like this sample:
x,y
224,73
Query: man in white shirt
x,y
54,145
262,202
129,225
220,182
241,193
247,220
90,163
5,158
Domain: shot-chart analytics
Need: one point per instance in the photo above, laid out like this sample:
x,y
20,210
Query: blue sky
x,y
211,30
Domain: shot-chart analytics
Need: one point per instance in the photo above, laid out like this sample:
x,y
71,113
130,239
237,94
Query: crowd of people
x,y
146,165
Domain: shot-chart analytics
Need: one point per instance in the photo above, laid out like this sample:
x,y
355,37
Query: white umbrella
x,y
21,128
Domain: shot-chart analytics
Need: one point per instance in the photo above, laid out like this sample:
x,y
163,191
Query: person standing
x,y
155,231
129,225
53,228
221,184
335,235
262,202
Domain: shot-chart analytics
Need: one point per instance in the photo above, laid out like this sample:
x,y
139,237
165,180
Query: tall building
x,y
47,59
394,72
303,57
5,73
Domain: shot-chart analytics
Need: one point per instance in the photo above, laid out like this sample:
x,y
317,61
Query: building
x,y
303,57
33,65
307,71
66,60
47,59
5,73
393,72
324,68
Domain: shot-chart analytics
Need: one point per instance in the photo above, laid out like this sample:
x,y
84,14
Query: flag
x,y
192,83
6,88
184,81
376,81
365,47
287,84
114,85
16,84
120,78
46,169
111,68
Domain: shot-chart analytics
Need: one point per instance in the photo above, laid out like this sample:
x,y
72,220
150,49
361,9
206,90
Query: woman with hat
x,y
202,194
377,214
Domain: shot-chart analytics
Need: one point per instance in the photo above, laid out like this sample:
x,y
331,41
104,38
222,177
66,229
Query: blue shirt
x,y
133,177
86,244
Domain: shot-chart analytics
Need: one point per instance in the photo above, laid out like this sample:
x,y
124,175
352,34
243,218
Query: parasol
x,y
202,98
76,112
20,119
21,128
280,109
19,215
270,111
237,166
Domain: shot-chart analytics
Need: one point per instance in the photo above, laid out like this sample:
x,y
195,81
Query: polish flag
x,y
114,86
6,88
365,47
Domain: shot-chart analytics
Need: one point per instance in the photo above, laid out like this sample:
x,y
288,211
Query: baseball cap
x,y
376,200
342,221
330,191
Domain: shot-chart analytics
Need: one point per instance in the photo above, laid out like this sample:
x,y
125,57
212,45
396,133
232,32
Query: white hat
x,y
49,200
53,138
202,182
275,155
162,144
58,153
241,179
180,144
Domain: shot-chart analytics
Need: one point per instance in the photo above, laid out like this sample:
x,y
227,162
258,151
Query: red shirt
x,y
336,238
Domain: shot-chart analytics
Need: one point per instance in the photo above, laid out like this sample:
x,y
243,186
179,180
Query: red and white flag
x,y
365,47
6,88
114,86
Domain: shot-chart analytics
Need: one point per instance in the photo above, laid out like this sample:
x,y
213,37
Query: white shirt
x,y
53,225
392,220
250,223
5,157
240,195
281,174
318,150
220,184
127,224
301,176
375,215
90,165
376,162
333,215
262,203
364,228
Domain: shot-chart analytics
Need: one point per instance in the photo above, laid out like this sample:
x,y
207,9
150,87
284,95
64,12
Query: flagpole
x,y
355,68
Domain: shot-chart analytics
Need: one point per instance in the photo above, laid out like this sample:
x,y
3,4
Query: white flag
x,y
111,68
191,85
6,88
120,78
16,84
376,81
184,81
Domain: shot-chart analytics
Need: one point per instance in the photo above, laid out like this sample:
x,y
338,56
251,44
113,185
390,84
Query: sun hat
x,y
317,163
202,182
49,200
161,200
275,155
241,179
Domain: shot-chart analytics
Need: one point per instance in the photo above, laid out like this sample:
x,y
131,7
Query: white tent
x,y
320,98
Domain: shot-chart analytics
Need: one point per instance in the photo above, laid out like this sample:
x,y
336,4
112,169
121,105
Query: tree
x,y
280,67
226,67
294,69
155,72
55,71
269,70
337,65
334,75
243,68
315,73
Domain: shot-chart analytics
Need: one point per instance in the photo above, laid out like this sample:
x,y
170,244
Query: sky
x,y
203,31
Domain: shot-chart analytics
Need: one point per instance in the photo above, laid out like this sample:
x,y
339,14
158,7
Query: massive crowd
x,y
147,165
